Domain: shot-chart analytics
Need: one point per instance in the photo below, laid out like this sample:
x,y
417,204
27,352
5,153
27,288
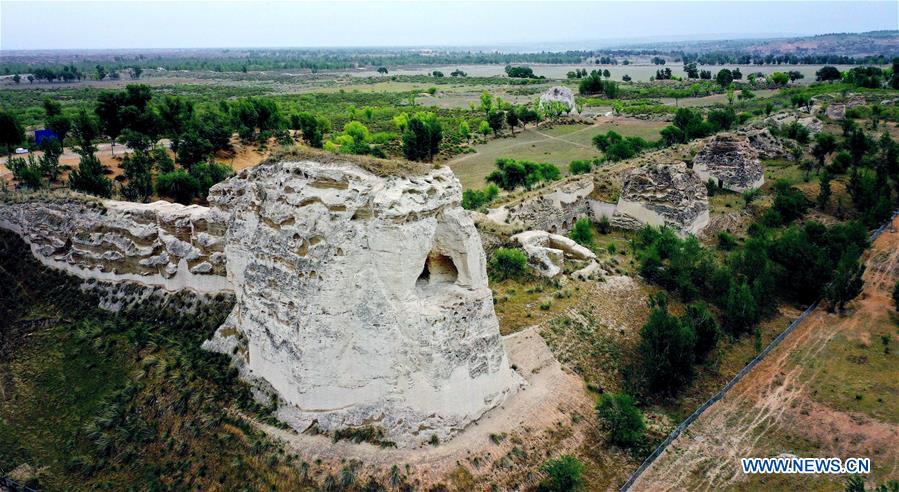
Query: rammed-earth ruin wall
x,y
360,300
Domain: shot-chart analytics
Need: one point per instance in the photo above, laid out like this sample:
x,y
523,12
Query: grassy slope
x,y
95,400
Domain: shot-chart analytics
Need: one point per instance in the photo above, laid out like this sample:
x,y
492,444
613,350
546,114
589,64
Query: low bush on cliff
x,y
508,263
475,199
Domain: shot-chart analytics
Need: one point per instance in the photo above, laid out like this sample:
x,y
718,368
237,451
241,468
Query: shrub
x,y
475,199
508,263
622,418
178,185
564,474
580,167
582,232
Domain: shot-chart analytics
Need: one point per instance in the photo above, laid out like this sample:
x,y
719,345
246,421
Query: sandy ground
x,y
772,411
549,417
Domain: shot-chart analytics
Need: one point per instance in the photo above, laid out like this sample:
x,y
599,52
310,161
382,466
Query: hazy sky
x,y
169,24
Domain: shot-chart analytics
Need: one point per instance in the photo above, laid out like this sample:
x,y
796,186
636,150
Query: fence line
x,y
736,379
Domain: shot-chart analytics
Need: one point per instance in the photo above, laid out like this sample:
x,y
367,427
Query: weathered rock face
x,y
663,194
767,145
361,300
731,161
559,94
553,211
837,110
547,252
158,244
783,118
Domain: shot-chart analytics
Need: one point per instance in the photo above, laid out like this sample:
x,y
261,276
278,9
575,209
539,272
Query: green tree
x,y
620,415
475,199
724,77
90,177
107,110
138,170
26,171
495,119
740,309
564,474
580,167
825,143
178,185
779,78
667,348
486,102
422,137
312,127
512,119
847,282
208,174
827,73
824,193
698,317
11,131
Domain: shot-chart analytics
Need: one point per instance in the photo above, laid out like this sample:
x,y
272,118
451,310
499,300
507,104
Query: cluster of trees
x,y
798,263
500,113
578,73
870,77
67,73
742,58
521,72
689,124
595,84
871,164
616,147
511,173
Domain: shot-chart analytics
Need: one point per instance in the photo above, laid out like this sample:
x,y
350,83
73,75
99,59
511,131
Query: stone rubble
x,y
547,252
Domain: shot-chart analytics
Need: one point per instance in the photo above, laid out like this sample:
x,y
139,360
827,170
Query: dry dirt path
x,y
773,411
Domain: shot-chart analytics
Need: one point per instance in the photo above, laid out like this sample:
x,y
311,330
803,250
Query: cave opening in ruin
x,y
438,269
